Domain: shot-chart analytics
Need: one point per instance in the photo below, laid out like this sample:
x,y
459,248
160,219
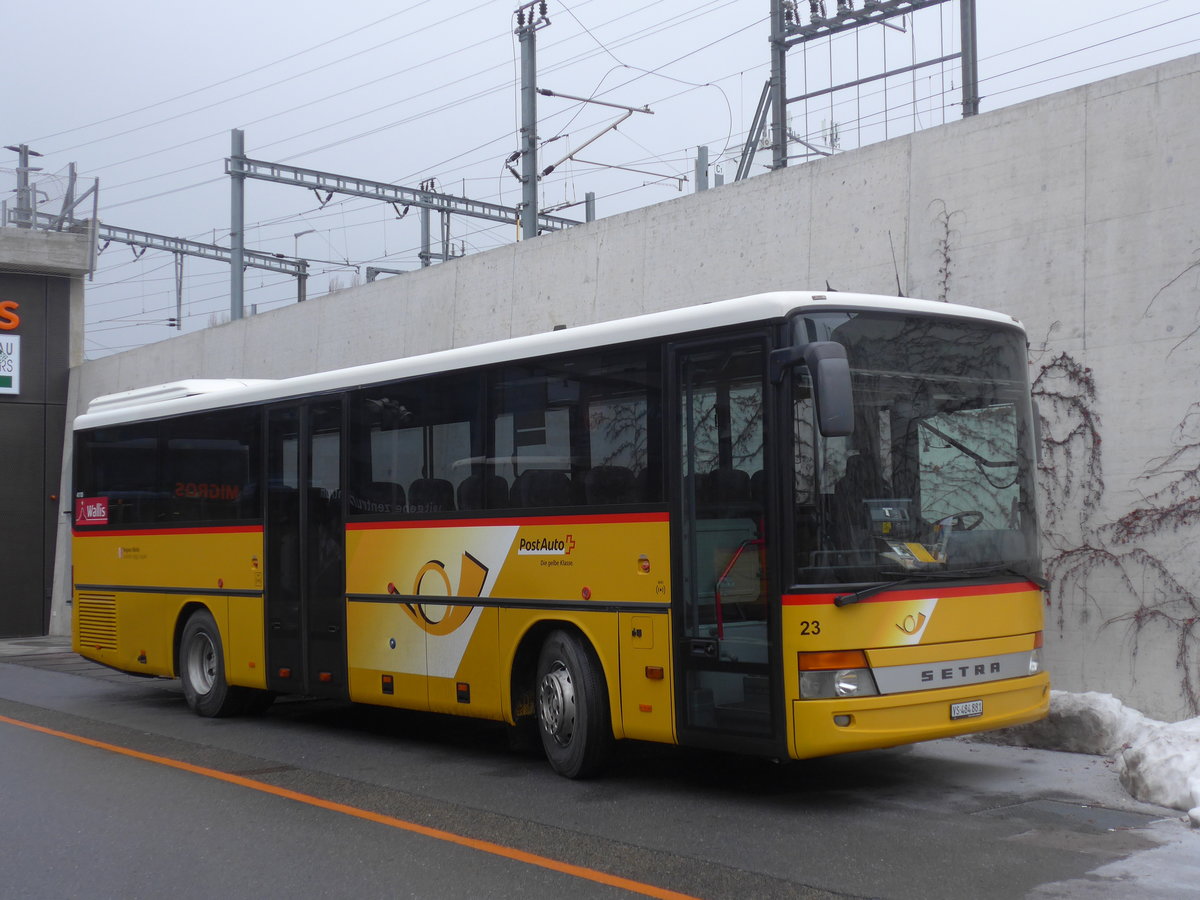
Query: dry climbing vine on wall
x,y
943,248
1071,465
1176,503
1084,550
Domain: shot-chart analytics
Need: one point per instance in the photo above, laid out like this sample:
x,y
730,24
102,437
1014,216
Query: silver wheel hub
x,y
556,704
202,663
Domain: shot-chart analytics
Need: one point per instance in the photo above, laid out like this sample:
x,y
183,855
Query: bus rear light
x,y
325,677
285,673
388,684
831,659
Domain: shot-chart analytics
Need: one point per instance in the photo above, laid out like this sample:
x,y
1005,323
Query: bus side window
x,y
414,445
578,431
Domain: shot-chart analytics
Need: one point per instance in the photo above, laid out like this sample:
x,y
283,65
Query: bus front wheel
x,y
572,706
202,669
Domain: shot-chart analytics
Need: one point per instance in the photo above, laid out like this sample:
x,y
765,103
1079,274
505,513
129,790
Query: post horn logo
x,y
912,624
440,619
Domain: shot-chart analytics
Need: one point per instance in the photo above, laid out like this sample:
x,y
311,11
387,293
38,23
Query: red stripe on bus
x,y
148,532
601,519
929,593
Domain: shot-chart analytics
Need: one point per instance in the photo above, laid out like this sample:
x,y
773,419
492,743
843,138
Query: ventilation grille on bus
x,y
96,620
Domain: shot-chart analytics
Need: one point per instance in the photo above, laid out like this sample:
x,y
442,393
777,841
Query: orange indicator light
x,y
654,673
832,659
325,677
285,673
645,707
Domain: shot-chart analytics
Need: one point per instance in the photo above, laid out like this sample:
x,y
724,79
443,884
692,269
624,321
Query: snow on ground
x,y
1159,762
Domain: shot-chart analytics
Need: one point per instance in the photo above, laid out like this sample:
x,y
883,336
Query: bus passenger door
x,y
306,549
724,626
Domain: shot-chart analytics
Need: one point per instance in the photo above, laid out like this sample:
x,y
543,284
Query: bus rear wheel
x,y
572,706
202,669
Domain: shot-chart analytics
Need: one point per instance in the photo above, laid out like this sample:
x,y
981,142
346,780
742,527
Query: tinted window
x,y
578,430
411,446
200,468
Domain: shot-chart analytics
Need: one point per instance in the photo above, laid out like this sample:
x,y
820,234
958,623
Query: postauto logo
x,y
546,546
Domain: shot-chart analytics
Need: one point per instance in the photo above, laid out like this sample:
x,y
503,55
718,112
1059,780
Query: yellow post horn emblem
x,y
470,584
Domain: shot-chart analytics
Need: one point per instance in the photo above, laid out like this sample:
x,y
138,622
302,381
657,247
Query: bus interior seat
x,y
379,496
862,481
727,485
758,486
431,495
604,485
536,488
483,491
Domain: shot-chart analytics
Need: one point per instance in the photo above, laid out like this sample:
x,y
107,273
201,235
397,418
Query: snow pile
x,y
1159,762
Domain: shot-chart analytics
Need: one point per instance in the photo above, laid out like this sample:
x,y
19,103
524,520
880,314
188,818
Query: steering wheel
x,y
961,518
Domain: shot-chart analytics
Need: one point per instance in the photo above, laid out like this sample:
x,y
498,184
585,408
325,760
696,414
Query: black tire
x,y
202,669
572,706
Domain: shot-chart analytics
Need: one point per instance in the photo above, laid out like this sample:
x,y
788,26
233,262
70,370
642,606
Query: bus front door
x,y
306,550
722,612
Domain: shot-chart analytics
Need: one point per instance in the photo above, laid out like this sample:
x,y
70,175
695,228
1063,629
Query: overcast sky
x,y
142,95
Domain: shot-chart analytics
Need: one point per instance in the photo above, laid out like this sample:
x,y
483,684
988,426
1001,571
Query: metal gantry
x,y
787,31
240,167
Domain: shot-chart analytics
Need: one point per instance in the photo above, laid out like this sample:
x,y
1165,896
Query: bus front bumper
x,y
826,727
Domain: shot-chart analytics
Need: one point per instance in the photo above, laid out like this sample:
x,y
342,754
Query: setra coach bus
x,y
791,524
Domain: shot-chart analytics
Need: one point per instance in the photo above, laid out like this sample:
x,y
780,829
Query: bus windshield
x,y
936,479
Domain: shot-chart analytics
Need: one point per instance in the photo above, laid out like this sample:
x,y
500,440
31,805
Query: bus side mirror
x,y
830,372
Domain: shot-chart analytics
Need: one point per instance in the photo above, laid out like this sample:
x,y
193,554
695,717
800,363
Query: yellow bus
x,y
791,524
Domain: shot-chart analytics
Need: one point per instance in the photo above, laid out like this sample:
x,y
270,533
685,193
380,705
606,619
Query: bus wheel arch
x,y
571,699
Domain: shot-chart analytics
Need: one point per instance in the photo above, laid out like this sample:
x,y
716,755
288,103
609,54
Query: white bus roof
x,y
195,395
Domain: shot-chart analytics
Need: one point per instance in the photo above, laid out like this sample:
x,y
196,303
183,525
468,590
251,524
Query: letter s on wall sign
x,y
8,315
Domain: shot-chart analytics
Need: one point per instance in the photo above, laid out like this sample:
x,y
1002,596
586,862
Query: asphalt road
x,y
317,799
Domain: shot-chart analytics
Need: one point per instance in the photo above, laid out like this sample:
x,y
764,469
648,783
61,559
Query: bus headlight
x,y
851,682
1035,658
822,678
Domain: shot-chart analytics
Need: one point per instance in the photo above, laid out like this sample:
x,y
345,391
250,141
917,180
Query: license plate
x,y
970,709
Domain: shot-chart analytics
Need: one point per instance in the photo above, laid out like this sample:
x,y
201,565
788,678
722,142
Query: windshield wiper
x,y
951,575
863,594
1002,569
978,458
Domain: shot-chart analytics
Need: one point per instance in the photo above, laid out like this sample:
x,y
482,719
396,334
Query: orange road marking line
x,y
512,853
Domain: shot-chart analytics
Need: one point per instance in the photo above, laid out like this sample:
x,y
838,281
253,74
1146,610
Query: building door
x,y
723,610
306,549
